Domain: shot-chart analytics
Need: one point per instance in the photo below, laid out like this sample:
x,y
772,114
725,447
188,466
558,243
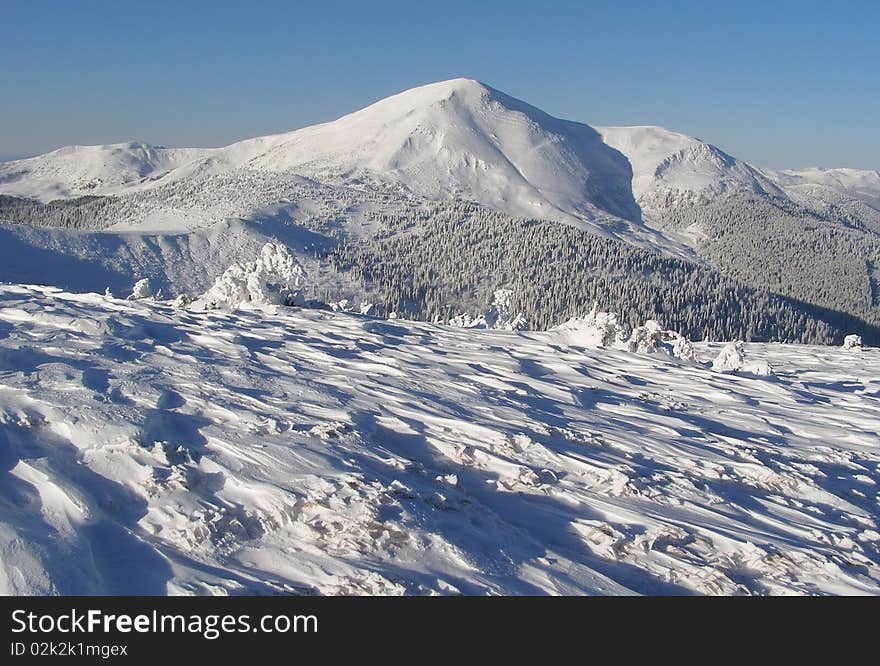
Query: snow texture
x,y
149,449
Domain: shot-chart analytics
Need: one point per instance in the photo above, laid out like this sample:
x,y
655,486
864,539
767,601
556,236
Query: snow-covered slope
x,y
309,451
175,263
850,193
671,166
672,170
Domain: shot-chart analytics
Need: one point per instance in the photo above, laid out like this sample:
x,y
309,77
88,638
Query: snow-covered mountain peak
x,y
461,138
453,139
666,162
647,147
432,93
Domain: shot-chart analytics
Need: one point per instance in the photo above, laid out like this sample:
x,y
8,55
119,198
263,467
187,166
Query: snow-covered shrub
x,y
760,368
603,329
182,301
141,290
343,305
852,342
597,329
732,358
466,321
275,277
651,338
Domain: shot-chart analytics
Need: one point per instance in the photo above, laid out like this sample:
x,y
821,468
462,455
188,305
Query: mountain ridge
x,y
456,138
811,235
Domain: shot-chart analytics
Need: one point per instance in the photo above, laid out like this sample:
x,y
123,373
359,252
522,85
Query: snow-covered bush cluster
x,y
345,305
499,315
651,337
596,329
275,277
603,329
732,358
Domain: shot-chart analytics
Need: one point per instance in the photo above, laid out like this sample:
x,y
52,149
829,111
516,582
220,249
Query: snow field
x,y
152,449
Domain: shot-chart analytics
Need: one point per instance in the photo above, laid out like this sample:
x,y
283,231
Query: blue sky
x,y
779,84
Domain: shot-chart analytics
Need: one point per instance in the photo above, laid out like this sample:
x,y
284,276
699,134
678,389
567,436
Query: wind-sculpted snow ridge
x,y
154,450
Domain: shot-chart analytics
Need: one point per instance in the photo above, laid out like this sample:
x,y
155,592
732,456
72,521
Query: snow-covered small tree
x,y
275,277
141,290
684,349
852,342
732,358
647,338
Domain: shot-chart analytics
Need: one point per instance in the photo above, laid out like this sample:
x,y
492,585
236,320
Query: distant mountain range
x,y
812,235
